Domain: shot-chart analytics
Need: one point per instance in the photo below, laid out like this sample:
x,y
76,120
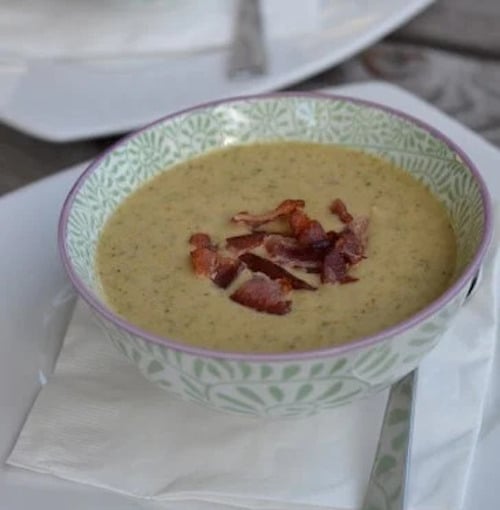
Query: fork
x,y
247,53
387,487
389,475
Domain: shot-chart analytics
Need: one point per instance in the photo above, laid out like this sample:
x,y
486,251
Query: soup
x,y
146,271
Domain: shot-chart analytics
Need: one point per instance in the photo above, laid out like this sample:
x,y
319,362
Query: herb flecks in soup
x,y
147,275
305,244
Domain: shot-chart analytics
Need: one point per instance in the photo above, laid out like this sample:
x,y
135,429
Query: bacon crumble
x,y
259,264
335,268
264,295
338,208
245,242
201,240
285,250
256,220
307,247
221,270
204,261
306,230
349,245
227,270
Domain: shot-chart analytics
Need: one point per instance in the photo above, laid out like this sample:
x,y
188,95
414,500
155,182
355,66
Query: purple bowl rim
x,y
366,341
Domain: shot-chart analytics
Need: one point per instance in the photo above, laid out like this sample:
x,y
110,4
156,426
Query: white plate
x,y
75,100
29,339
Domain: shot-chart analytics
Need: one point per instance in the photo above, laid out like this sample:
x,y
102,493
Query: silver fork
x,y
387,488
247,53
389,476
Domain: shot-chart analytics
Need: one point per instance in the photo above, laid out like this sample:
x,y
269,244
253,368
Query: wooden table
x,y
449,55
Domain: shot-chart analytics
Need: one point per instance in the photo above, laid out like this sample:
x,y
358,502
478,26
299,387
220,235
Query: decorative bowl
x,y
288,384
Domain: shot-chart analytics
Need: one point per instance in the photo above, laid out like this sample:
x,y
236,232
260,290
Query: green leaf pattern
x,y
277,388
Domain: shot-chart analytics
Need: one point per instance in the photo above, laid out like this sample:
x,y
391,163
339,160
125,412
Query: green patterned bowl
x,y
293,383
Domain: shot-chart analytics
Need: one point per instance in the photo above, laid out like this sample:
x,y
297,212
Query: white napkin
x,y
114,28
99,422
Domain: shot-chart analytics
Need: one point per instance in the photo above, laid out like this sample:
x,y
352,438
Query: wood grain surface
x,y
467,26
449,56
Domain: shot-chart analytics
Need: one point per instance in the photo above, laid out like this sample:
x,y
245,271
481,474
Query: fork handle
x,y
389,475
247,52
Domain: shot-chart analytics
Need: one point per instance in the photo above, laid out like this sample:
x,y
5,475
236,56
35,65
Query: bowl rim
x,y
365,341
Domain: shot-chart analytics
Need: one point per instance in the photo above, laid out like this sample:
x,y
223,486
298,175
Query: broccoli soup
x,y
276,247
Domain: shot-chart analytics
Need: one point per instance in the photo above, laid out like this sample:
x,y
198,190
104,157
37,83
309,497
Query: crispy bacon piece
x,y
350,246
245,242
332,236
313,233
200,240
286,208
338,208
221,270
226,270
306,231
286,250
298,221
353,239
275,233
264,295
276,244
204,261
335,268
280,246
259,264
349,249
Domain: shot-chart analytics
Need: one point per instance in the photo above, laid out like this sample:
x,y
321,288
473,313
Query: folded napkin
x,y
98,421
114,28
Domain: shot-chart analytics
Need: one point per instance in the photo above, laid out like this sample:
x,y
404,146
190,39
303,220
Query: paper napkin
x,y
98,421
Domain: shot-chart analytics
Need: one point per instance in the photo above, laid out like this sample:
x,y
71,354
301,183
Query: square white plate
x,y
63,101
32,280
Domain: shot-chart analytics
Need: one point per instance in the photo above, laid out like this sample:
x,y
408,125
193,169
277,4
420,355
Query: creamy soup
x,y
147,277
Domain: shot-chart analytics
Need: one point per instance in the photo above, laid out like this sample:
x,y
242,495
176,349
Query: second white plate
x,y
65,101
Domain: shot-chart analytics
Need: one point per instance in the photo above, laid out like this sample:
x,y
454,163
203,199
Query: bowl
x,y
288,384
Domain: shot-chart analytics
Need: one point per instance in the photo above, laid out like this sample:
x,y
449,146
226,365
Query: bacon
x,y
245,242
268,233
259,264
349,249
286,208
306,231
332,236
278,245
204,261
221,270
200,240
350,246
335,268
226,271
338,208
313,233
264,295
286,250
306,245
299,221
353,239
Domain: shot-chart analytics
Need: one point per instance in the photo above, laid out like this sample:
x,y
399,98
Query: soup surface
x,y
147,277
